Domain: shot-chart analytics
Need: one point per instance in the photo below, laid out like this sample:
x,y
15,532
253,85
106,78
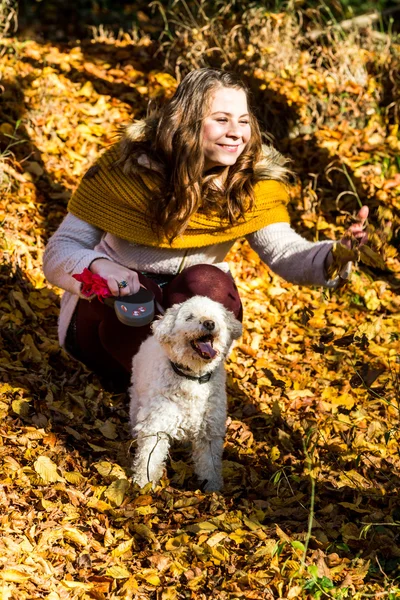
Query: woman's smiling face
x,y
226,129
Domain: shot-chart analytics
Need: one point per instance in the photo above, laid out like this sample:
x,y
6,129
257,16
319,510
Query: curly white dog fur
x,y
178,389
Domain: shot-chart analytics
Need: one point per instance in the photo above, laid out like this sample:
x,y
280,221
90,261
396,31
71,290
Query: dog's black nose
x,y
210,325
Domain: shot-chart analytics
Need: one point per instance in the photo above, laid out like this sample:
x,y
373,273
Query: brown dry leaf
x,y
30,353
341,255
371,258
160,561
294,592
108,429
23,304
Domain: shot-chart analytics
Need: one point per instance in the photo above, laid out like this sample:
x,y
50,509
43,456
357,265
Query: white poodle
x,y
178,389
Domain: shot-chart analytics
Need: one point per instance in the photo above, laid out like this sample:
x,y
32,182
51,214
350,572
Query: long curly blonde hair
x,y
171,140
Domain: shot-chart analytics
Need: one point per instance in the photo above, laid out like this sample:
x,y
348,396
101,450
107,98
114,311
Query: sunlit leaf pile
x,y
310,506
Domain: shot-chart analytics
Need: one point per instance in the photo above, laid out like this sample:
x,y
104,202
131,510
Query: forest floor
x,y
310,507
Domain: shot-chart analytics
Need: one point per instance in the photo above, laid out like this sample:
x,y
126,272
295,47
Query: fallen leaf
x,y
47,470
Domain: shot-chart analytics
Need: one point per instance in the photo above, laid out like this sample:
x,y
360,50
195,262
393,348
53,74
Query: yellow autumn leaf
x,y
220,553
116,491
217,538
74,535
111,470
71,585
262,363
186,501
47,505
26,545
352,479
99,505
143,531
73,477
122,548
165,79
176,569
6,388
117,572
331,394
14,574
108,538
150,576
252,524
20,407
146,510
196,582
169,593
131,585
177,542
201,527
345,400
274,453
47,470
239,535
87,90
371,300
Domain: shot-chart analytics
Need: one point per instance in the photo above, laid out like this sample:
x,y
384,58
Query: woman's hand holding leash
x,y
136,309
120,280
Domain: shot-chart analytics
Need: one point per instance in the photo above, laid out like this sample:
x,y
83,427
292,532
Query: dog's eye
x,y
190,318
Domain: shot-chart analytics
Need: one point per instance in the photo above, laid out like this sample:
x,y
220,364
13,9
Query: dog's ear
x,y
234,326
163,326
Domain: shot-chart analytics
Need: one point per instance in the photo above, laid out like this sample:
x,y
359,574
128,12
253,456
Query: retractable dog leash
x,y
135,310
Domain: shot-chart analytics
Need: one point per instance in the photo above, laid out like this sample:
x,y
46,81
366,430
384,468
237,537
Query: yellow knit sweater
x,y
117,203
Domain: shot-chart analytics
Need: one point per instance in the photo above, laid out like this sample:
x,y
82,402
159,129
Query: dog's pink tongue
x,y
206,348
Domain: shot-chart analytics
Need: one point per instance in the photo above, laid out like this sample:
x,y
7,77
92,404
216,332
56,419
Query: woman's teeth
x,y
229,148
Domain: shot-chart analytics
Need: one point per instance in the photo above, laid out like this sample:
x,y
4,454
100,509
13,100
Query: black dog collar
x,y
203,379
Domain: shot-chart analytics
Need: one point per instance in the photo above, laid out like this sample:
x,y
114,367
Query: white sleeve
x,y
69,251
291,256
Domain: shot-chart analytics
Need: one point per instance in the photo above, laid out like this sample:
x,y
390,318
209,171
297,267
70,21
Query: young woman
x,y
162,207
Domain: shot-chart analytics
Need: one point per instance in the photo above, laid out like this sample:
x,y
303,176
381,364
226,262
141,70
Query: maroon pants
x,y
98,339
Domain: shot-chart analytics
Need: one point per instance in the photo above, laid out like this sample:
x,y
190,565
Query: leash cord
x,y
154,447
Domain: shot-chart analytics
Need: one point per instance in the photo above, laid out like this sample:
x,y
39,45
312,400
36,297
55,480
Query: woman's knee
x,y
204,280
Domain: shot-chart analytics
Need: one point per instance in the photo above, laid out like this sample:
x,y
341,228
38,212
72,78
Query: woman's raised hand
x,y
339,260
357,230
116,275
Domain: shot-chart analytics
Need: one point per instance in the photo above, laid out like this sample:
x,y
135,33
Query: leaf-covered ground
x,y
310,506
